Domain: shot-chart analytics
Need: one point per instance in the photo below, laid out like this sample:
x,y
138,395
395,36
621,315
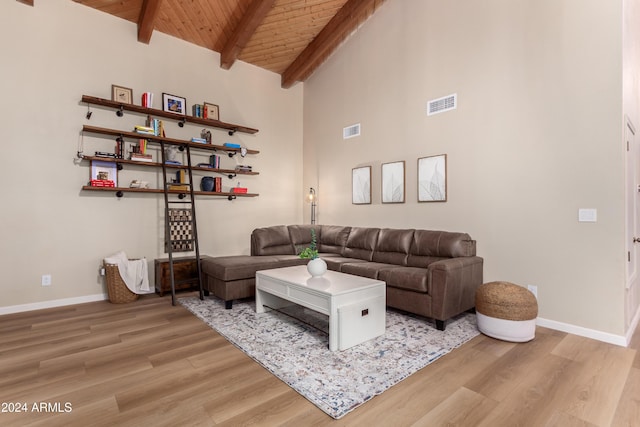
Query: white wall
x,y
57,51
536,136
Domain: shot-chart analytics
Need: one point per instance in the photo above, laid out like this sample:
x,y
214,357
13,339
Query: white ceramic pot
x,y
317,267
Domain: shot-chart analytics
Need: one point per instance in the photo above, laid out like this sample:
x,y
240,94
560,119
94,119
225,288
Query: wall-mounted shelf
x,y
159,140
168,115
227,194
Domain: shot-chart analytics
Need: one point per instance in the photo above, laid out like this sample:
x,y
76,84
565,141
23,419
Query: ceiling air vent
x,y
443,104
351,131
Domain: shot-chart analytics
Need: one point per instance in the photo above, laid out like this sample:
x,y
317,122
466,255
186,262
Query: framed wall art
x,y
393,182
104,171
432,178
174,104
361,185
121,94
212,111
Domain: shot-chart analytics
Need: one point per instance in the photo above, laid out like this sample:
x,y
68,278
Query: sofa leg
x,y
440,325
206,292
228,304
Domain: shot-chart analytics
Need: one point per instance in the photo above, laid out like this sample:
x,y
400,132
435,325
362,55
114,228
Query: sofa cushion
x,y
409,278
273,240
428,245
300,236
333,238
393,246
236,267
365,269
361,243
335,262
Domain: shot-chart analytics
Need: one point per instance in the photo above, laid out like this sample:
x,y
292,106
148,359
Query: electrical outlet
x,y
46,280
534,290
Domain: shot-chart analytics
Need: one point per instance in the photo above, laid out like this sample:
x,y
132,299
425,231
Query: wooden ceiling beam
x,y
147,20
250,21
339,27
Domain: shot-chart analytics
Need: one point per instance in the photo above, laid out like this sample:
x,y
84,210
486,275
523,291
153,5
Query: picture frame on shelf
x,y
211,111
104,171
121,94
174,104
432,178
393,182
361,185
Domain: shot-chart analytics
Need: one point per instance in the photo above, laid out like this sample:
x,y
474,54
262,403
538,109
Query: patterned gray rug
x,y
293,345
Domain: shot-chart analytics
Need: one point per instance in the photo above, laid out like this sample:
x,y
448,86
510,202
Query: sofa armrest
x,y
452,284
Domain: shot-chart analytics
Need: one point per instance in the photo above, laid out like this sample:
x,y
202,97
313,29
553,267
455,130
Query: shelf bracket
x,y
231,197
182,122
231,175
120,111
231,154
232,131
119,166
119,194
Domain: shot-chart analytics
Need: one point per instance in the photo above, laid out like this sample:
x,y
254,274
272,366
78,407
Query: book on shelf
x,y
231,145
178,187
199,140
147,99
214,161
243,168
204,165
239,190
217,184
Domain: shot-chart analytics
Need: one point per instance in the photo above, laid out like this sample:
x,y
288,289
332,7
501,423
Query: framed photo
x,y
174,104
211,111
361,186
432,179
121,94
104,171
393,182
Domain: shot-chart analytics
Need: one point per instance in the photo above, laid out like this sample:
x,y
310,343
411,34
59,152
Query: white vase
x,y
317,267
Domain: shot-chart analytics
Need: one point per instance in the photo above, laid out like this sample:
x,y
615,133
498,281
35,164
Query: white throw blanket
x,y
134,273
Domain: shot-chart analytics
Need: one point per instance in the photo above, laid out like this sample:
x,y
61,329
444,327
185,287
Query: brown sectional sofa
x,y
430,273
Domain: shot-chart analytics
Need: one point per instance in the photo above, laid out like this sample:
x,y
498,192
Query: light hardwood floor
x,y
148,363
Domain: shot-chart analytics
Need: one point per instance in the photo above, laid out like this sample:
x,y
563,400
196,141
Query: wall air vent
x,y
443,104
351,131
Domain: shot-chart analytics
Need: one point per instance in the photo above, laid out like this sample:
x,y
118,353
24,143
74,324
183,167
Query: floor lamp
x,y
311,198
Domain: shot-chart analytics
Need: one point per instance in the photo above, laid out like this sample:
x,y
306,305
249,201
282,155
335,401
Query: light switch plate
x,y
587,215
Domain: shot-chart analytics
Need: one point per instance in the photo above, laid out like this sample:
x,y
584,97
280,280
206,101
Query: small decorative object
x,y
211,111
393,182
206,135
361,185
174,104
206,183
121,94
316,266
432,179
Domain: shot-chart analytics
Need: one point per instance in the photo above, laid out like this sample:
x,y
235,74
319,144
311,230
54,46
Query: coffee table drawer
x,y
361,322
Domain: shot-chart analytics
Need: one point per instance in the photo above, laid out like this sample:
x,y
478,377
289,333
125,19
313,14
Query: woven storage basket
x,y
116,288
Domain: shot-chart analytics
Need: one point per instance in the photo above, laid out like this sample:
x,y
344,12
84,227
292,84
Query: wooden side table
x,y
185,271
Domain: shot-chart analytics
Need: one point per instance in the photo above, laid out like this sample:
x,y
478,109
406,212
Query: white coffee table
x,y
355,305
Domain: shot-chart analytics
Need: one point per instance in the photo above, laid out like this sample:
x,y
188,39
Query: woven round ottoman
x,y
506,311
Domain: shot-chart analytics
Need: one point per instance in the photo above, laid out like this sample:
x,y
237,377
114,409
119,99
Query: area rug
x,y
293,345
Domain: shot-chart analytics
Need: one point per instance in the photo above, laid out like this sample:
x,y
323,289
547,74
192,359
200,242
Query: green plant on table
x,y
311,251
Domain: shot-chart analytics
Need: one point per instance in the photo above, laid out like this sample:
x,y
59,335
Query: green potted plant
x,y
311,251
316,266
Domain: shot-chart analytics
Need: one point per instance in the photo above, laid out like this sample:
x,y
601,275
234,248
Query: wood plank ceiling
x,y
289,37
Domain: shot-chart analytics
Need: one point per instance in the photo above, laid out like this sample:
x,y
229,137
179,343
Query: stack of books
x,y
199,140
179,187
147,99
239,190
145,130
102,183
141,157
231,145
243,168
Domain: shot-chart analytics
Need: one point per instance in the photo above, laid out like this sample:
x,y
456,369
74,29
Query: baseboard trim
x,y
633,326
583,332
53,303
